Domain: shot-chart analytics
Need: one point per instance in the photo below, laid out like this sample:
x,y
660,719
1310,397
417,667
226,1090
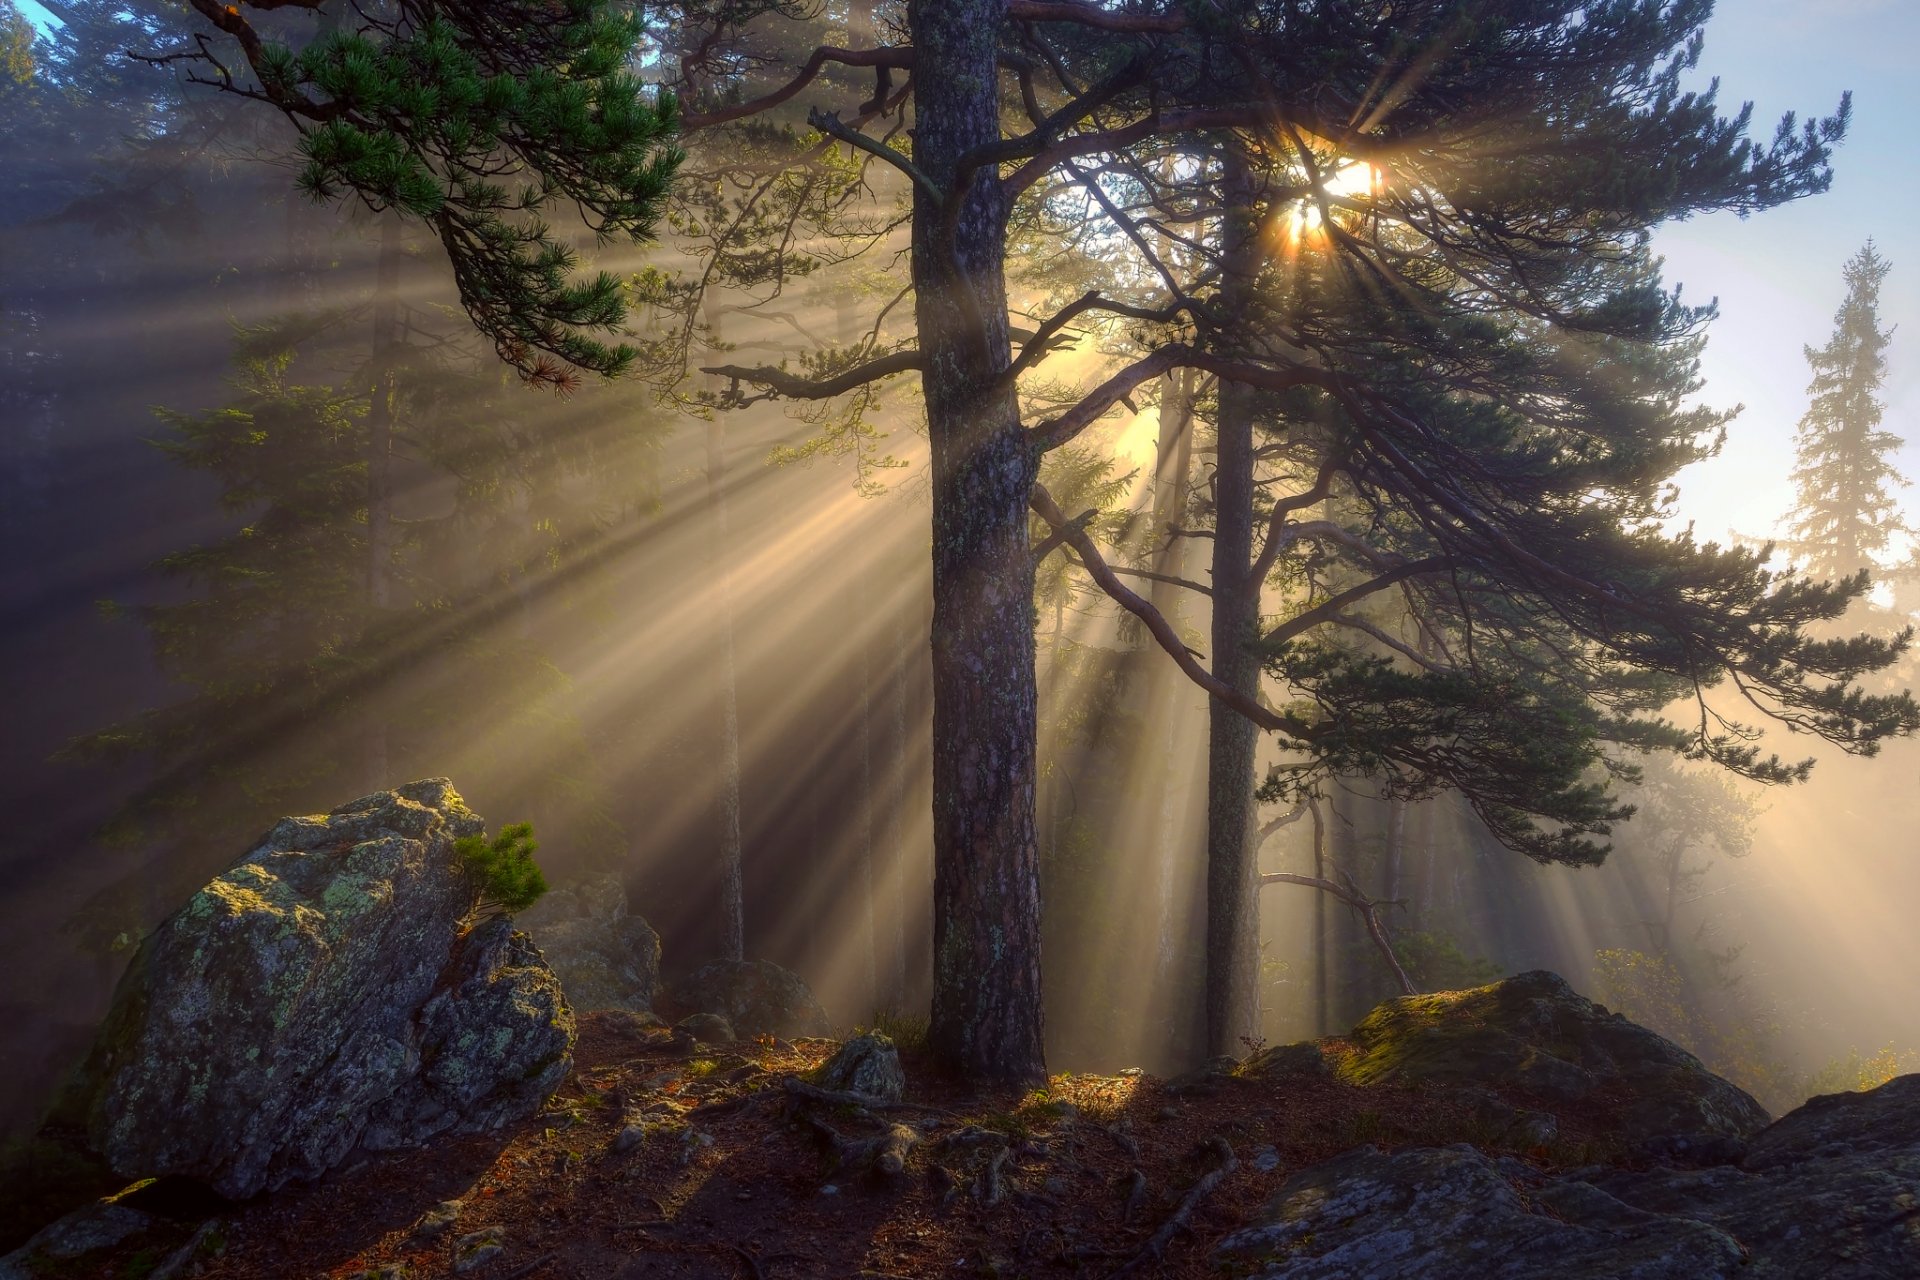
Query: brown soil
x,y
731,1182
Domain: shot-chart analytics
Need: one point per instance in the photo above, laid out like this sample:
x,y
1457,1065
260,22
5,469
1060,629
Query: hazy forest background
x,y
660,623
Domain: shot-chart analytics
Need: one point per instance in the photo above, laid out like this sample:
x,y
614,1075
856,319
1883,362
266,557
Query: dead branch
x,y
1368,910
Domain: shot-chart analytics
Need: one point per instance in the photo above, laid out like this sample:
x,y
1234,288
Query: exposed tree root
x,y
1156,1246
1136,1195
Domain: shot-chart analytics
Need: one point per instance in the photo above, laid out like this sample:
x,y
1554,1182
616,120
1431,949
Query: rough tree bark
x,y
986,1012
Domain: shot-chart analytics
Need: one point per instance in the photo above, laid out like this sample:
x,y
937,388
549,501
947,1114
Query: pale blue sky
x,y
1777,275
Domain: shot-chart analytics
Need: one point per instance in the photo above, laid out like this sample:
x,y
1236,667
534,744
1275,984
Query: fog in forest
x,y
595,584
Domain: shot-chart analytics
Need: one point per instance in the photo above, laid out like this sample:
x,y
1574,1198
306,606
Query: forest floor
x,y
651,1162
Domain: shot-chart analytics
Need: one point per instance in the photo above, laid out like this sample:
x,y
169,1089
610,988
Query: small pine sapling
x,y
503,870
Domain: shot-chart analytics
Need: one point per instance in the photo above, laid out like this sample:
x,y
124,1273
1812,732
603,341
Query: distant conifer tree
x,y
1844,480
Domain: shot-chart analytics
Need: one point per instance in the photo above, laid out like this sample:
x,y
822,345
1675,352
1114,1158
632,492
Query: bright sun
x,y
1308,220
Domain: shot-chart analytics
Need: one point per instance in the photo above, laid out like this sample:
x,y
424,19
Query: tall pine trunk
x,y
986,1016
1233,911
733,910
1173,466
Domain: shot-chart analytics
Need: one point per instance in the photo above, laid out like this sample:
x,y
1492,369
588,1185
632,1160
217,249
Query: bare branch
x,y
1368,910
779,382
814,65
1156,622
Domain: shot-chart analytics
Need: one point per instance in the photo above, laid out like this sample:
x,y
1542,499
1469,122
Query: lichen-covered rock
x,y
1450,1213
1537,1034
321,994
757,996
868,1065
607,958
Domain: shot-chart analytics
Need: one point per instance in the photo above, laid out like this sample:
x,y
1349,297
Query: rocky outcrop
x,y
757,997
1451,1213
324,993
1831,1192
606,957
1535,1034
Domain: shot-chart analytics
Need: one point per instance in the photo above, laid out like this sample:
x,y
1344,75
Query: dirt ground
x,y
653,1160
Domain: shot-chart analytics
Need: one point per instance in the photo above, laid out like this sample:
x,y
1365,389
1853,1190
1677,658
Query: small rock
x,y
629,1137
830,1190
55,1248
478,1249
868,1065
1266,1159
434,1222
708,1027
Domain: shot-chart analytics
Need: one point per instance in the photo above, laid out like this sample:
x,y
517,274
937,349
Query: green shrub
x,y
503,870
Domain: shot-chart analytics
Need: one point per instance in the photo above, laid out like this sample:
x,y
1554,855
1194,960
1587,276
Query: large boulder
x,y
607,958
1831,1192
757,996
1535,1034
327,992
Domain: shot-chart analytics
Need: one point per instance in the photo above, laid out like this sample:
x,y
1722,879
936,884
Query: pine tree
x,y
1530,144
477,120
1846,516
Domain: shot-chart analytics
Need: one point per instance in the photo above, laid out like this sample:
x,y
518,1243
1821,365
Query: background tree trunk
x,y
380,409
1233,913
733,934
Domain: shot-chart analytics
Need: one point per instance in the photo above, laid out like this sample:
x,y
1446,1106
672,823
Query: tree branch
x,y
1100,19
889,57
779,382
1329,608
1368,910
1156,622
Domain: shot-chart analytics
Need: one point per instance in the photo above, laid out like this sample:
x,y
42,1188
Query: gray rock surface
x,y
1536,1034
606,957
322,994
61,1247
1450,1213
869,1065
1831,1192
757,996
707,1028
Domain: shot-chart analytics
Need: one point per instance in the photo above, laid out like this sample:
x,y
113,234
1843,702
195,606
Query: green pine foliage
x,y
481,121
1846,516
502,869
